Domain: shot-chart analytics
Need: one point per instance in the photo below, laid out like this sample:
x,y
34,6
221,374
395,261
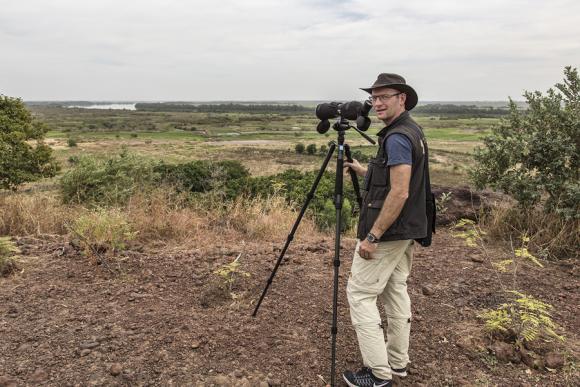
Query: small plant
x,y
7,259
71,142
299,148
527,317
470,232
134,135
101,234
228,273
323,150
441,202
311,149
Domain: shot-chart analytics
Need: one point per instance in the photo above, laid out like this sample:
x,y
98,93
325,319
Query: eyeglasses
x,y
382,97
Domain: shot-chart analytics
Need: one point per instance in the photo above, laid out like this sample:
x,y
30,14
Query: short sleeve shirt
x,y
399,150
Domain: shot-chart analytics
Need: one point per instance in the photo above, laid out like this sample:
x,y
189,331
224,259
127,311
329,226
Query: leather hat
x,y
397,82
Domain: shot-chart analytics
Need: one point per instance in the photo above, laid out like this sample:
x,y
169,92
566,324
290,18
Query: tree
x,y
21,161
299,148
534,155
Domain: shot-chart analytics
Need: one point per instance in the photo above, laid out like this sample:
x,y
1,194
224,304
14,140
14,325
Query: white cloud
x,y
196,50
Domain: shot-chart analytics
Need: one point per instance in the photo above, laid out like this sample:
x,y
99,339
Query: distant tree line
x,y
460,110
223,108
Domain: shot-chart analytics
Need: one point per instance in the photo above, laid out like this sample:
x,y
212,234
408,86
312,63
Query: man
x,y
393,214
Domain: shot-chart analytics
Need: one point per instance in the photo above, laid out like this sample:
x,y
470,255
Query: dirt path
x,y
164,322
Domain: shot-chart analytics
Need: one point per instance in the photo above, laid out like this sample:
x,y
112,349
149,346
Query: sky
x,y
190,50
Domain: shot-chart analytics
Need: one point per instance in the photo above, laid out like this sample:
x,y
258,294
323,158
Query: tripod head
x,y
344,112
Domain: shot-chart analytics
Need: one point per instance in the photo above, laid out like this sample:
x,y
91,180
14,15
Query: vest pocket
x,y
372,212
378,168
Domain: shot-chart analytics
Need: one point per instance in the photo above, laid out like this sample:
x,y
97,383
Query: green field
x,y
264,142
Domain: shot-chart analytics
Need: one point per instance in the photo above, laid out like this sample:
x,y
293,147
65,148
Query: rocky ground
x,y
161,316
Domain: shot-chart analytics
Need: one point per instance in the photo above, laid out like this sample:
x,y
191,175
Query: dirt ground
x,y
164,319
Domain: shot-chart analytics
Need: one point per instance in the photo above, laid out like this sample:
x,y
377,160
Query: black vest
x,y
412,221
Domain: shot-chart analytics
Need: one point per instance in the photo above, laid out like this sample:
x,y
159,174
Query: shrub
x,y
22,162
299,148
7,260
535,155
101,234
107,182
311,149
134,135
323,150
71,142
204,176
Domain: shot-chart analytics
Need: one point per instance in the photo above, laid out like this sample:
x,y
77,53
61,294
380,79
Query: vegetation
x,y
535,155
101,234
21,162
223,108
7,260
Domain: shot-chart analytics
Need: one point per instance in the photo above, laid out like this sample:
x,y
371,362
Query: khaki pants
x,y
384,277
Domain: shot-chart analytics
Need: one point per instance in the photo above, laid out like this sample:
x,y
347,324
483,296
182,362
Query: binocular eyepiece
x,y
352,110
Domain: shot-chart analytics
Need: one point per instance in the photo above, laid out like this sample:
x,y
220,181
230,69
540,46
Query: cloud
x,y
257,49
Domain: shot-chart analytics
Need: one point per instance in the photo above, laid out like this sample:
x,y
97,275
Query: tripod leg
x,y
354,178
338,201
296,223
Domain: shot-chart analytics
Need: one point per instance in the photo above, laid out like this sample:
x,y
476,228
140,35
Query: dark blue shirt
x,y
399,150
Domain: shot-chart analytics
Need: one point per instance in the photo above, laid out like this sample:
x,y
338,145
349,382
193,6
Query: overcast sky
x,y
282,50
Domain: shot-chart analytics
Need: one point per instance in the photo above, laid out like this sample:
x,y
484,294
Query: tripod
x,y
343,150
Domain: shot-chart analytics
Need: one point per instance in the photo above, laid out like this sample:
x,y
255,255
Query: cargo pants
x,y
384,277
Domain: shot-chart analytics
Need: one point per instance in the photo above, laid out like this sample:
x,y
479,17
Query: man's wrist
x,y
372,238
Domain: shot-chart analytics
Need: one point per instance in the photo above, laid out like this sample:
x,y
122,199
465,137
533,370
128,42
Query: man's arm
x,y
400,178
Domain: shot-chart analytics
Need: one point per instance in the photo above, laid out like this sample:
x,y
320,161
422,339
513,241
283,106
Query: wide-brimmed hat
x,y
397,82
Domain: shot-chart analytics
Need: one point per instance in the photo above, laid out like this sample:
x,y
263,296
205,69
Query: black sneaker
x,y
401,372
365,378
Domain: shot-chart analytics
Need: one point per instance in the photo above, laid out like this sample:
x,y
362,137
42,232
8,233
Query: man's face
x,y
388,103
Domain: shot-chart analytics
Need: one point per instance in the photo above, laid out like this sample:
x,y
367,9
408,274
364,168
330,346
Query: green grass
x,y
179,137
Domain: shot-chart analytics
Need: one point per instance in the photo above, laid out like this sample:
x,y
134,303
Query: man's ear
x,y
403,99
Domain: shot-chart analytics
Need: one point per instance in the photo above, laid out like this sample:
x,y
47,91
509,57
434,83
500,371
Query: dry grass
x,y
550,235
34,214
261,219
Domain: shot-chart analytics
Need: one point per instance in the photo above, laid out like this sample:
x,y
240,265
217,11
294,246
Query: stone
x,y
115,369
89,345
427,290
195,345
477,259
554,360
39,376
5,381
504,352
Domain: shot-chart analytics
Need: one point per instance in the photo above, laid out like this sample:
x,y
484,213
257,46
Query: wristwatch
x,y
372,238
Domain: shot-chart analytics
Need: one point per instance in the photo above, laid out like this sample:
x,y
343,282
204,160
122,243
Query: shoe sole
x,y
347,382
354,385
399,374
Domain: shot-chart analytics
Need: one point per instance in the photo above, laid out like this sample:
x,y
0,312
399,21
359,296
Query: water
x,y
114,106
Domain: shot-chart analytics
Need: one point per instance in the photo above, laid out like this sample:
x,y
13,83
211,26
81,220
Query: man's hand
x,y
355,166
366,249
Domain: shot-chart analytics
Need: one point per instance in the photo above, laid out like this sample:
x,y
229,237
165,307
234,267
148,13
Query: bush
x,y
535,155
101,234
323,150
20,161
7,260
71,142
107,182
204,176
311,149
299,148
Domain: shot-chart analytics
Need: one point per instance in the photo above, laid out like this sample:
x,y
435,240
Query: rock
x,y
85,352
427,290
477,259
264,384
115,369
554,360
89,345
221,380
504,352
39,376
531,359
195,345
5,381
